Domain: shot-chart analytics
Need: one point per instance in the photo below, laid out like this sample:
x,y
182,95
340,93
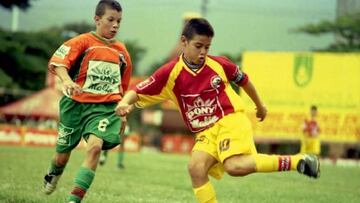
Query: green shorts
x,y
82,119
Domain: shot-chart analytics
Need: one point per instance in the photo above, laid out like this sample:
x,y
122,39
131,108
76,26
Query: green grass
x,y
156,177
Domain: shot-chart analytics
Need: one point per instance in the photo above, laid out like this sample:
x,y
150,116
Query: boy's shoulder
x,y
220,59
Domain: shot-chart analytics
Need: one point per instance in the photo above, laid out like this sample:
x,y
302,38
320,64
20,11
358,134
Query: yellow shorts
x,y
230,136
310,145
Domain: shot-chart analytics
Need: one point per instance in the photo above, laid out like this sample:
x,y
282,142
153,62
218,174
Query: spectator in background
x,y
310,142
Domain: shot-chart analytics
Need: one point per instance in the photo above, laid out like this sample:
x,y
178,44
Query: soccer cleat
x,y
309,165
102,160
50,181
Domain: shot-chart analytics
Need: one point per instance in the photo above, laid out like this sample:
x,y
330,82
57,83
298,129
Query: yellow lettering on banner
x,y
289,83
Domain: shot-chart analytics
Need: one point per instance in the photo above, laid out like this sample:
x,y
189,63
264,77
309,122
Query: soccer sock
x,y
120,158
54,169
271,163
105,153
83,180
205,193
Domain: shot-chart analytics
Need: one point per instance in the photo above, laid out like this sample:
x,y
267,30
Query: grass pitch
x,y
157,177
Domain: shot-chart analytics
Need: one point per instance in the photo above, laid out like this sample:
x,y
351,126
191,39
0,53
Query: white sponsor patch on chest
x,y
102,78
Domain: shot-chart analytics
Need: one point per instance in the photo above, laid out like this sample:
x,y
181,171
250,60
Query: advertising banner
x,y
289,83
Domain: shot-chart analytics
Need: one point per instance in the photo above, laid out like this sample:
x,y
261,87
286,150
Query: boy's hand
x,y
71,88
261,112
122,109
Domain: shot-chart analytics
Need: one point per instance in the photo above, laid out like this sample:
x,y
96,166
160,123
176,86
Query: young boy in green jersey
x,y
95,71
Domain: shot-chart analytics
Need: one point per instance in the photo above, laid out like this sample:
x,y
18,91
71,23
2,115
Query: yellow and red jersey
x,y
311,128
203,97
101,67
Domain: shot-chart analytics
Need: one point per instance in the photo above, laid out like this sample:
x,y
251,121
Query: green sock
x,y
120,158
57,170
105,153
83,180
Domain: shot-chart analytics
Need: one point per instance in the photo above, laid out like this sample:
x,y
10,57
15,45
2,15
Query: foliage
x,y
346,28
22,4
24,55
136,53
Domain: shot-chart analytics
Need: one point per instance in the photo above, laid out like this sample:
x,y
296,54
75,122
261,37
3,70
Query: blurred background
x,y
298,53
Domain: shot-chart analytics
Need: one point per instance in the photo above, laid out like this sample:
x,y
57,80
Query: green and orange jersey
x,y
203,97
101,67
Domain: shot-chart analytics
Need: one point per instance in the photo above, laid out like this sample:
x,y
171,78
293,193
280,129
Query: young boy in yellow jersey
x,y
95,70
310,142
199,85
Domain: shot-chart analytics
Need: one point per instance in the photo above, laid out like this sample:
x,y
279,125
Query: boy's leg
x,y
68,138
103,157
199,165
121,155
238,154
86,173
55,171
240,165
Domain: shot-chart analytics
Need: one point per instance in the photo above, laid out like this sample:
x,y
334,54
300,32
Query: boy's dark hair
x,y
197,26
103,4
313,108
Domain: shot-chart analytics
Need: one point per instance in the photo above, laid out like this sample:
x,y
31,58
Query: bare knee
x,y
93,151
61,159
239,165
197,170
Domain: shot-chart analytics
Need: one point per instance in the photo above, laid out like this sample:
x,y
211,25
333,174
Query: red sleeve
x,y
156,82
232,71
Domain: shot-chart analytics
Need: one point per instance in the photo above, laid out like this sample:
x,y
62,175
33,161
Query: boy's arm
x,y
260,108
126,103
69,86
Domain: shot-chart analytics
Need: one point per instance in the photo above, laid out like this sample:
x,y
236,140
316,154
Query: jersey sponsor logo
x,y
200,113
145,83
224,145
215,81
62,51
202,139
64,134
102,78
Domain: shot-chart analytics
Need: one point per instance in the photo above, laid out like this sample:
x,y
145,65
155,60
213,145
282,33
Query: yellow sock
x,y
205,193
271,163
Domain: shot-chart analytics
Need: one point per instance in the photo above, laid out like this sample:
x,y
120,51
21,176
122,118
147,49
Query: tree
x,y
22,4
346,27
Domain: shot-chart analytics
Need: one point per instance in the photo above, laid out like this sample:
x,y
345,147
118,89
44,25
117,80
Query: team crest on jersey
x,y
62,51
215,81
145,83
122,63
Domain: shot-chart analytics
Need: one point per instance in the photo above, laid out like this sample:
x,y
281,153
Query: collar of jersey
x,y
106,41
189,69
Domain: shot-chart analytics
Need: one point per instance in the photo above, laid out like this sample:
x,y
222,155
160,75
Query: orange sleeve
x,y
67,53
